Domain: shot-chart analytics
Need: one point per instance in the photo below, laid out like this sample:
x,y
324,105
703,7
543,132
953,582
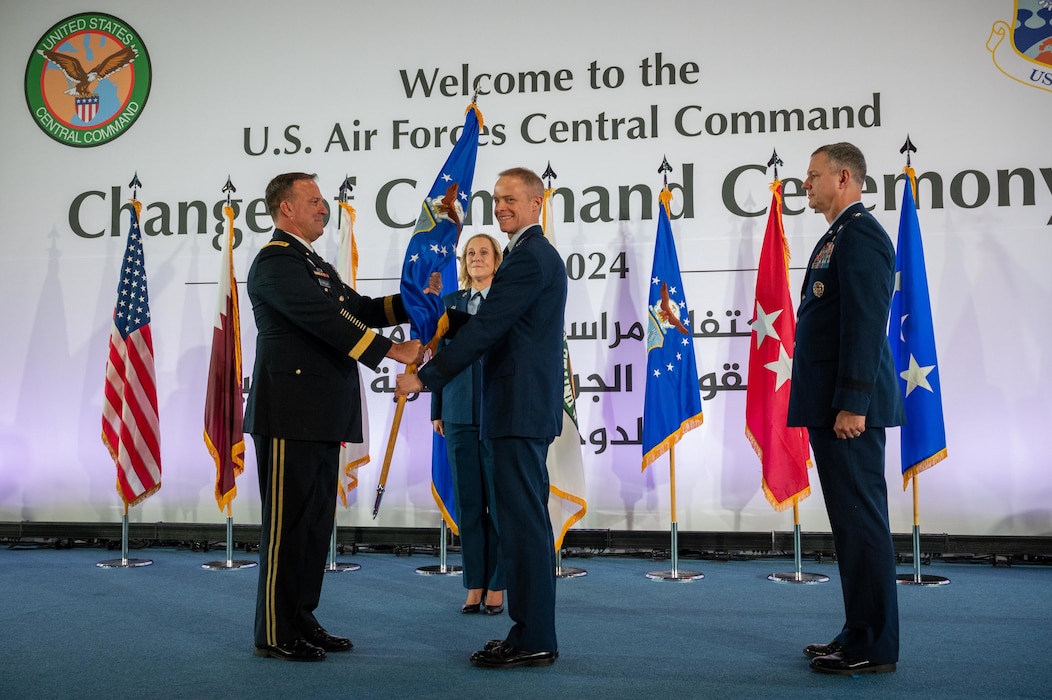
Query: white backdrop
x,y
231,80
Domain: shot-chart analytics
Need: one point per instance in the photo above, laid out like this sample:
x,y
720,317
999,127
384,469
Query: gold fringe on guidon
x,y
666,444
573,519
478,113
775,503
446,515
917,468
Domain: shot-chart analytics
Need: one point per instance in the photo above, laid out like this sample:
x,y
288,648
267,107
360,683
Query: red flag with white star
x,y
783,451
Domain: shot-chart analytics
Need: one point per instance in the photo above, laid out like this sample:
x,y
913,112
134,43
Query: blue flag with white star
x,y
912,340
433,246
672,401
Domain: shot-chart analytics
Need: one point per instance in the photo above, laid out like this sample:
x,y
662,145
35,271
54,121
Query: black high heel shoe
x,y
495,609
472,609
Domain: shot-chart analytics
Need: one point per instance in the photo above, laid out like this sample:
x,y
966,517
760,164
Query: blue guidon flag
x,y
911,334
433,246
672,401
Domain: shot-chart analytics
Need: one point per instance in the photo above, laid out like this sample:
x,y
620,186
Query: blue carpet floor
x,y
69,629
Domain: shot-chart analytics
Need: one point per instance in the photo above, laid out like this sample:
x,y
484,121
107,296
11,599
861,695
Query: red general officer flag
x,y
783,451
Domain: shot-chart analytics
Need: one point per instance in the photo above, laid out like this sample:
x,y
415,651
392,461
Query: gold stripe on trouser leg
x,y
277,509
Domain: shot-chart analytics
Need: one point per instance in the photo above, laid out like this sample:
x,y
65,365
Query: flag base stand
x,y
124,562
922,580
442,569
338,568
335,567
230,564
675,574
566,571
916,578
798,576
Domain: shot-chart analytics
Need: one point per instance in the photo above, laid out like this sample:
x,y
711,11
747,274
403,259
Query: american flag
x,y
129,413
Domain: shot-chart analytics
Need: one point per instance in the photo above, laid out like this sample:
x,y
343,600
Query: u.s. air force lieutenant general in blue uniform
x,y
312,331
519,333
845,393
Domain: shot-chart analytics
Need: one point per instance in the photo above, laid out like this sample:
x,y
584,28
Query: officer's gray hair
x,y
846,156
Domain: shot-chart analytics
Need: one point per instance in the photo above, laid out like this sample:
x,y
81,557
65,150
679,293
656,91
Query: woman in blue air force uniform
x,y
455,414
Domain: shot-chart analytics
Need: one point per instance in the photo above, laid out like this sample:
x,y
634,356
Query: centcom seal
x,y
87,79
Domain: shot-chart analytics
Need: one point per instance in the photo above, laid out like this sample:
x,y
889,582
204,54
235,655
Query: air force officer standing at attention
x,y
519,332
845,393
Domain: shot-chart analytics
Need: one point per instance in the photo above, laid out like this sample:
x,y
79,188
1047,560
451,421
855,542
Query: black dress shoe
x,y
504,656
471,609
495,609
844,665
322,639
813,650
295,650
492,644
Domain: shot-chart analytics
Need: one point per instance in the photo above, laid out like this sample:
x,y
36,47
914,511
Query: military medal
x,y
818,289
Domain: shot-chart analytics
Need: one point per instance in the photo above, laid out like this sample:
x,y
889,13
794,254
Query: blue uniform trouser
x,y
856,496
471,465
520,480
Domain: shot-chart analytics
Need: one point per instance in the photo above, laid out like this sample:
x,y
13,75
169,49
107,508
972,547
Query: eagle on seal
x,y
81,79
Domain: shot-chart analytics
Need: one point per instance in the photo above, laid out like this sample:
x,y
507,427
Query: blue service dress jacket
x,y
459,401
842,359
520,330
312,329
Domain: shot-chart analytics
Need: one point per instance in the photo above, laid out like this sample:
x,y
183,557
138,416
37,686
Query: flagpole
x,y
921,419
124,562
798,575
443,209
549,232
670,437
674,574
916,578
230,563
396,422
335,567
566,571
441,569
